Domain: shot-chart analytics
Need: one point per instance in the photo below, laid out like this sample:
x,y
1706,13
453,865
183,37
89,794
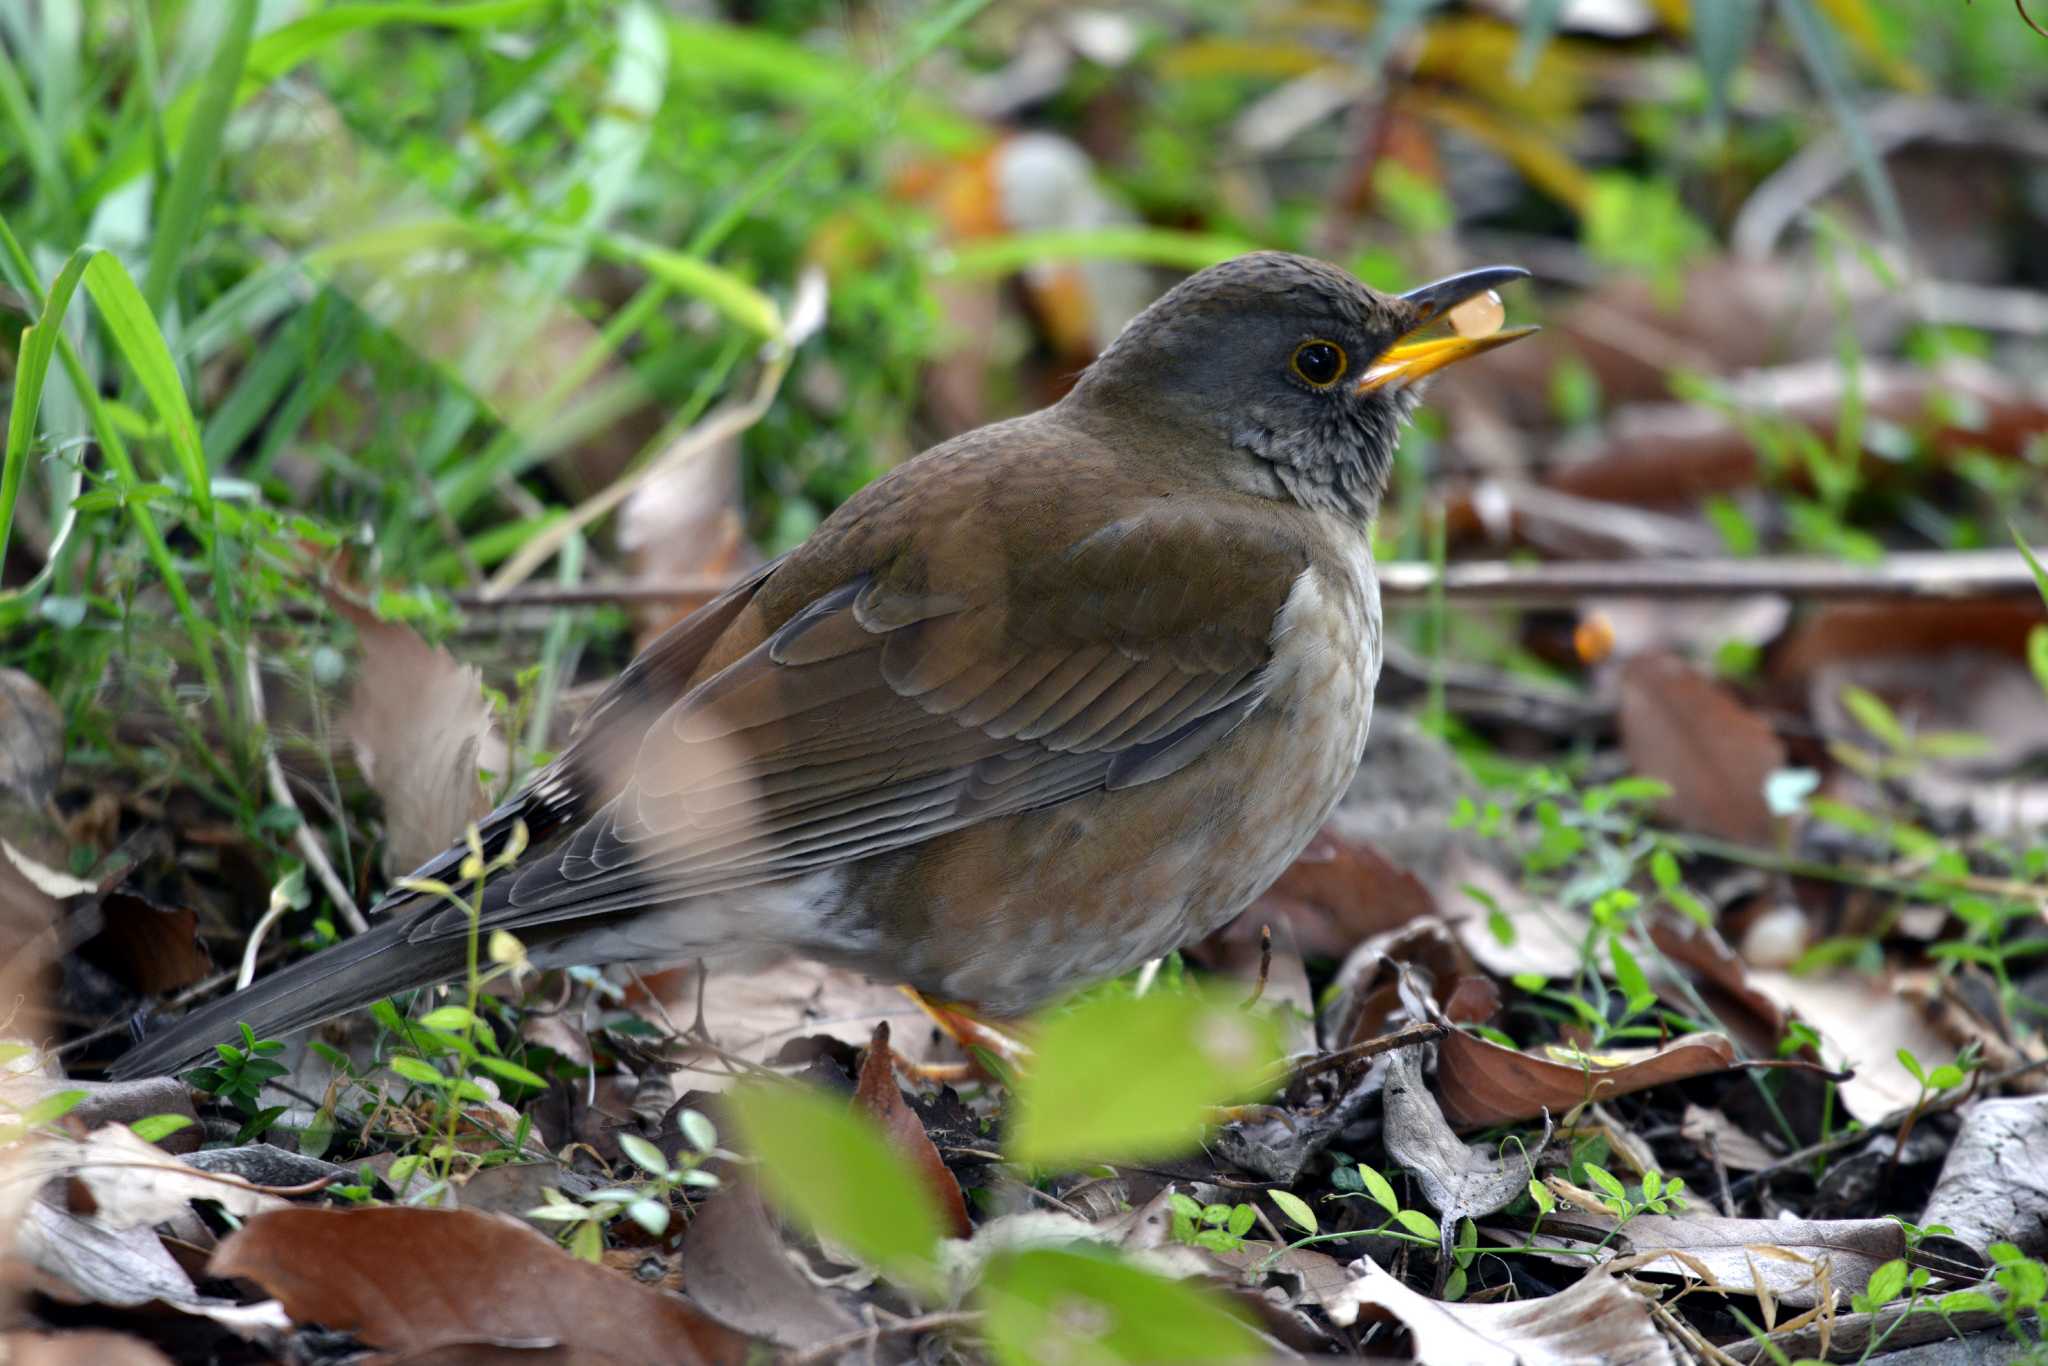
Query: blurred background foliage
x,y
434,278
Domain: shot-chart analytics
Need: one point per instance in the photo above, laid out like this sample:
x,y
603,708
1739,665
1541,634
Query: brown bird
x,y
1051,699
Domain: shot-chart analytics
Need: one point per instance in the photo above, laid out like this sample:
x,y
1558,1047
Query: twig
x,y
1405,1037
1931,575
830,1349
303,836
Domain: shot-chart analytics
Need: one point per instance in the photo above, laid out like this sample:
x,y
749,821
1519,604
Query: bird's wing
x,y
906,702
592,767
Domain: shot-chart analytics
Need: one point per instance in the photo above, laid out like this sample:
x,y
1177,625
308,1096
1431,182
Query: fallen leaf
x,y
133,1183
414,1281
1482,1083
421,731
1994,1186
126,1268
153,948
1794,1261
1714,753
737,1268
1721,1139
877,1093
1542,937
1458,1181
1595,1320
1865,1021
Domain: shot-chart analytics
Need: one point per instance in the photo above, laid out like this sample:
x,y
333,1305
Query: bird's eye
x,y
1321,363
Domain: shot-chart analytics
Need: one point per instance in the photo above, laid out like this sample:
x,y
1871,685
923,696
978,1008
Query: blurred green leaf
x,y
1153,246
141,343
32,371
1088,1308
834,1171
1118,1078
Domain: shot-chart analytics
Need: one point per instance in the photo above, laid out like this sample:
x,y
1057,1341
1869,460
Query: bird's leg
x,y
961,1024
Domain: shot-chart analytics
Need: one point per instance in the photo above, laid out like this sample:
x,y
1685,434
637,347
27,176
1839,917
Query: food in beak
x,y
1479,316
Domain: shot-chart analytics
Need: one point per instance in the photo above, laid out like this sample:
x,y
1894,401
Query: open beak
x,y
1405,362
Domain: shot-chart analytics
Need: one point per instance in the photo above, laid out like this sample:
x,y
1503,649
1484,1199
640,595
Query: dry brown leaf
x,y
877,1093
1994,1184
1459,1182
134,1184
1792,1260
1864,1021
1597,1319
1481,1083
1683,728
152,948
421,730
738,1269
1725,1141
86,1262
414,1281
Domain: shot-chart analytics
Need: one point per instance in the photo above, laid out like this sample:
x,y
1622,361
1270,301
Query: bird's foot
x,y
963,1026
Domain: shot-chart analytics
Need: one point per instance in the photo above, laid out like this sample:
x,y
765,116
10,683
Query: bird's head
x,y
1284,375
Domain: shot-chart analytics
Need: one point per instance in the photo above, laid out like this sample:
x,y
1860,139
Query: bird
x,y
1044,702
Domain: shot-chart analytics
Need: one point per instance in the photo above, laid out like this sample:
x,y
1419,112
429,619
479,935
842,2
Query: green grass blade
x,y
1830,71
184,199
2033,563
38,346
141,343
47,171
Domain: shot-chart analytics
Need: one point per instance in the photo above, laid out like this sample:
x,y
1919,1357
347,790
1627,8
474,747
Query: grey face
x,y
1267,352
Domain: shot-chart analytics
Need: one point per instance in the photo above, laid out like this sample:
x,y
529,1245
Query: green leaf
x,y
1877,718
1606,1180
1241,1220
1887,1282
512,1071
1628,974
53,1106
1963,1301
2033,563
157,1128
1296,1209
697,1131
2037,655
835,1172
1379,1189
141,343
1120,1078
643,1154
1830,71
1416,1222
449,1018
1084,1306
651,1215
417,1070
1540,1193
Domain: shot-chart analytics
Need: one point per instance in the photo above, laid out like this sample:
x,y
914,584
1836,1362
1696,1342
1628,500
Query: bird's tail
x,y
342,978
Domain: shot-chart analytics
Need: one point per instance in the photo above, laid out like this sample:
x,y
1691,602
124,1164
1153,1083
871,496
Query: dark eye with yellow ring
x,y
1319,362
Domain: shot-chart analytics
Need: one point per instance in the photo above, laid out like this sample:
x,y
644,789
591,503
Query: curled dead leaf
x,y
1681,727
879,1095
1482,1083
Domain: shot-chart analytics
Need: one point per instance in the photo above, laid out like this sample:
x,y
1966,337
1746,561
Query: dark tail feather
x,y
333,982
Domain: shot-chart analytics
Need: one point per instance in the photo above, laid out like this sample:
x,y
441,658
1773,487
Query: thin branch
x,y
1926,575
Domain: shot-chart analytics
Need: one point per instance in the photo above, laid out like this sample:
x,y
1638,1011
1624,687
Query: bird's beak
x,y
1405,362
